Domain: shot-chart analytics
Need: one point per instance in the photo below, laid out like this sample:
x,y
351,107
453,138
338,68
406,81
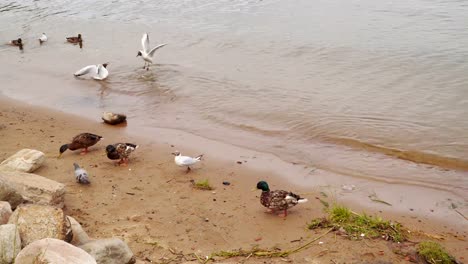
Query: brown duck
x,y
75,40
120,151
17,42
81,141
278,200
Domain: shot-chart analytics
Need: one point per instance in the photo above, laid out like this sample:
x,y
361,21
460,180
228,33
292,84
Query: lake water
x,y
370,89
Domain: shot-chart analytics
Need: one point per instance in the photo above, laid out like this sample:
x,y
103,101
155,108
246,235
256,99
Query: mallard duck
x,y
278,200
43,38
120,151
113,119
146,53
17,42
185,161
99,72
75,40
83,140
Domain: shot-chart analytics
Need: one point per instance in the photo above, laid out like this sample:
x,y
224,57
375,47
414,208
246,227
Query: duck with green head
x,y
278,200
81,141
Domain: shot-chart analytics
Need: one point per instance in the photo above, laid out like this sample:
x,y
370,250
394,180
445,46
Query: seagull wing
x,y
86,70
145,42
156,48
102,73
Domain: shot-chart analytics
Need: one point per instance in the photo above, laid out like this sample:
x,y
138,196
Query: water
x,y
374,90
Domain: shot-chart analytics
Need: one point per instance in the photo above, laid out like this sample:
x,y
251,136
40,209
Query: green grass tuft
x,y
354,225
203,185
340,214
434,253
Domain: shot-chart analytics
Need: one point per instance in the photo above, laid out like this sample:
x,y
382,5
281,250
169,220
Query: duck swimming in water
x,y
278,200
81,141
75,40
17,42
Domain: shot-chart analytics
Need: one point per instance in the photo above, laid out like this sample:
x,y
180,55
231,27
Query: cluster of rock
x,y
33,226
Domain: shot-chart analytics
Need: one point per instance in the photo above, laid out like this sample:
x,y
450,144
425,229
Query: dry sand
x,y
152,205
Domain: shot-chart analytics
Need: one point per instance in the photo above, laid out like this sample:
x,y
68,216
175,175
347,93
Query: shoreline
x,y
162,197
306,177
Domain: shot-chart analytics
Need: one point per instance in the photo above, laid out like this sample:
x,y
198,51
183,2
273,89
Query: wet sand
x,y
151,203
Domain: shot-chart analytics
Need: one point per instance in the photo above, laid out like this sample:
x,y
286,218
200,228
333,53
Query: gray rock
x,y
40,221
5,212
10,243
32,188
79,235
25,160
53,251
109,251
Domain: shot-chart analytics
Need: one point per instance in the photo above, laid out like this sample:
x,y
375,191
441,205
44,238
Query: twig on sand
x,y
373,197
262,253
461,214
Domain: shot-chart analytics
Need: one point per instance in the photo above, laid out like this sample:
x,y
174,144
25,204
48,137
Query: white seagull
x,y
81,175
146,53
43,38
185,161
99,72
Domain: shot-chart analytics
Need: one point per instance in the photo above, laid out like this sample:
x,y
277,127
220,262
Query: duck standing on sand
x,y
113,119
146,53
75,40
17,42
185,161
120,151
99,72
83,140
278,200
81,175
43,38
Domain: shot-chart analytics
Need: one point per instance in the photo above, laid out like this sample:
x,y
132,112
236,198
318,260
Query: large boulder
x,y
10,243
32,188
109,251
79,235
53,251
10,195
40,221
25,160
5,212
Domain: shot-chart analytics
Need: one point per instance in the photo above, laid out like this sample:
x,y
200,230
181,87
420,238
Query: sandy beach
x,y
152,205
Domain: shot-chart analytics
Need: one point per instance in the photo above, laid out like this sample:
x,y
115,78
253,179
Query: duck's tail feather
x,y
302,200
199,157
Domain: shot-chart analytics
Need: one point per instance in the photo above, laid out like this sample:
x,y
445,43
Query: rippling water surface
x,y
342,85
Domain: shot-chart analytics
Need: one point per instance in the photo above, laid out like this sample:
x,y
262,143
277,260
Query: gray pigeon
x,y
81,175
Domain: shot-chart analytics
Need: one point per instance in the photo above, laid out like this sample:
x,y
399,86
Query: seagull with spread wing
x,y
146,53
99,72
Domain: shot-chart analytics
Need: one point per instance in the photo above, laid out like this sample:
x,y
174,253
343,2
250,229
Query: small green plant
x,y
357,226
203,185
434,253
340,214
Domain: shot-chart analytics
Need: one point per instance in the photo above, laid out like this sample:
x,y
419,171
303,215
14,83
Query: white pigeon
x,y
81,175
99,72
43,38
185,161
146,53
